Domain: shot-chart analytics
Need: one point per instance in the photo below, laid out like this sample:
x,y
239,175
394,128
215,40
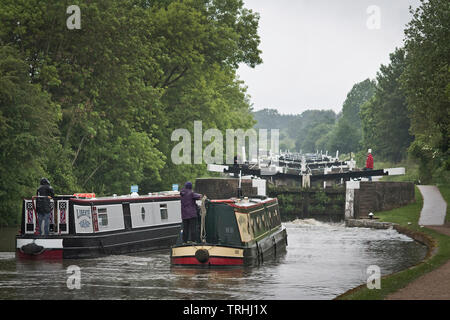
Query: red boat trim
x,y
48,254
223,201
213,261
122,199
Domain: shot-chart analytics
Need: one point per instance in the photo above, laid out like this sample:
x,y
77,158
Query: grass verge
x,y
407,218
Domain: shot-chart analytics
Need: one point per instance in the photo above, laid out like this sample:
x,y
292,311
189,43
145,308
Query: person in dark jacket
x,y
189,213
43,207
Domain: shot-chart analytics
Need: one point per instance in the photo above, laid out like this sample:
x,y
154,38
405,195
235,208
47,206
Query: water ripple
x,y
322,260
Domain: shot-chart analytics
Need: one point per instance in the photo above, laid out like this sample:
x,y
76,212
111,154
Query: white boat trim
x,y
46,243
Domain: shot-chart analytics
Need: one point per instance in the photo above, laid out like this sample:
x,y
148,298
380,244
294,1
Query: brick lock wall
x,y
381,196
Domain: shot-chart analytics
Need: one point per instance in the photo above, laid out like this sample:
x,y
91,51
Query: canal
x,y
322,261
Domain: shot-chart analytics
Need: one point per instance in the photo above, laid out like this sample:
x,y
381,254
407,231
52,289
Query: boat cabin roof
x,y
244,203
157,196
130,198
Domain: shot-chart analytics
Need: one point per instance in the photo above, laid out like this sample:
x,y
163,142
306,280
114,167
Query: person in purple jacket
x,y
189,213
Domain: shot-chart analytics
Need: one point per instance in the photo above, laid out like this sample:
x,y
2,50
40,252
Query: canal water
x,y
322,260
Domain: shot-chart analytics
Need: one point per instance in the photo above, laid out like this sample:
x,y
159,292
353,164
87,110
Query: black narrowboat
x,y
82,226
235,232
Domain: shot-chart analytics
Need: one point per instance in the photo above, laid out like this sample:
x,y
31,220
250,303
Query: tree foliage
x,y
106,98
426,82
309,127
28,131
385,117
347,134
298,132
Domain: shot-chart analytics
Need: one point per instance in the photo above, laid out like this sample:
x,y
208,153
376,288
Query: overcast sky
x,y
314,51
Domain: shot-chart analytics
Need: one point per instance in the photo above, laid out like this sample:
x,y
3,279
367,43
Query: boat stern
x,y
39,248
206,255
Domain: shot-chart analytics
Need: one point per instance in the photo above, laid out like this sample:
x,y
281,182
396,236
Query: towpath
x,y
434,285
434,207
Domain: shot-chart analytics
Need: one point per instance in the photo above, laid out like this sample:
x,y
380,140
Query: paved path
x,y
434,207
434,285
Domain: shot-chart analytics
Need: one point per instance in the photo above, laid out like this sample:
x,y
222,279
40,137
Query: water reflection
x,y
322,260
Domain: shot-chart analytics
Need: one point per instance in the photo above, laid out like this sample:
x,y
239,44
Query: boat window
x,y
163,211
102,217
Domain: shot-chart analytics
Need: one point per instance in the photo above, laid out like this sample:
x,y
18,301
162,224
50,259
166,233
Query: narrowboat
x,y
83,226
234,232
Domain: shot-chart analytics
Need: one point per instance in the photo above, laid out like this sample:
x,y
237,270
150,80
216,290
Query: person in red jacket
x,y
369,162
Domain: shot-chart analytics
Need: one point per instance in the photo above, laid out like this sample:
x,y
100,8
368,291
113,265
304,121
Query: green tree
x,y
272,119
200,81
28,133
312,140
347,134
344,137
385,121
309,127
118,87
426,83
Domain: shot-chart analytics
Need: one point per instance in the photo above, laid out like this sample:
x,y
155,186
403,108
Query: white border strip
x,y
46,243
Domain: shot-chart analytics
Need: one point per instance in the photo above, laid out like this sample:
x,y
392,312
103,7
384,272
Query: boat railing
x,y
60,226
